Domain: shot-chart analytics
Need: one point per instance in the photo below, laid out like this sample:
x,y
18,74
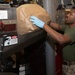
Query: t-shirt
x,y
68,51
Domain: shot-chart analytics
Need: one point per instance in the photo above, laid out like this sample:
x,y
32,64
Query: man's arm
x,y
55,26
60,38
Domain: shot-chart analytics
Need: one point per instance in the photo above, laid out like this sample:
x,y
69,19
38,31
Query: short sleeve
x,y
63,27
71,34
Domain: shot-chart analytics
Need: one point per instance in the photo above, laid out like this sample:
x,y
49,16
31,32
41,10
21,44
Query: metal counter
x,y
24,41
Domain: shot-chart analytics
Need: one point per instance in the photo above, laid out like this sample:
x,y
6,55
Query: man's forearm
x,y
54,34
55,26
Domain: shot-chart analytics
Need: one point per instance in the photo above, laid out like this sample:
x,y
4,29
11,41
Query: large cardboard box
x,y
24,25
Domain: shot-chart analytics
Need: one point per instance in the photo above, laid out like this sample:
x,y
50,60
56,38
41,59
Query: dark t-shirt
x,y
69,50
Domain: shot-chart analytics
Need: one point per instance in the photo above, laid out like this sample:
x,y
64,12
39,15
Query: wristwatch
x,y
49,22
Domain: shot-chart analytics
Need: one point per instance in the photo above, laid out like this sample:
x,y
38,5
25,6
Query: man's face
x,y
70,17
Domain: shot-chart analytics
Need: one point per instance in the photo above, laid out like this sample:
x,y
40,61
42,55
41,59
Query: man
x,y
67,39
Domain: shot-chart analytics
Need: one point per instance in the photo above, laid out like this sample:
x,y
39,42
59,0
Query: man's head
x,y
70,17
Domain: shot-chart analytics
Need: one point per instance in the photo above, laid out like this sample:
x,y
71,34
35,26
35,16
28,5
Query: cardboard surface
x,y
23,14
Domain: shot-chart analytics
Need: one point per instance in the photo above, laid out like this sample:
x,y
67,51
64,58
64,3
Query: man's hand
x,y
37,21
